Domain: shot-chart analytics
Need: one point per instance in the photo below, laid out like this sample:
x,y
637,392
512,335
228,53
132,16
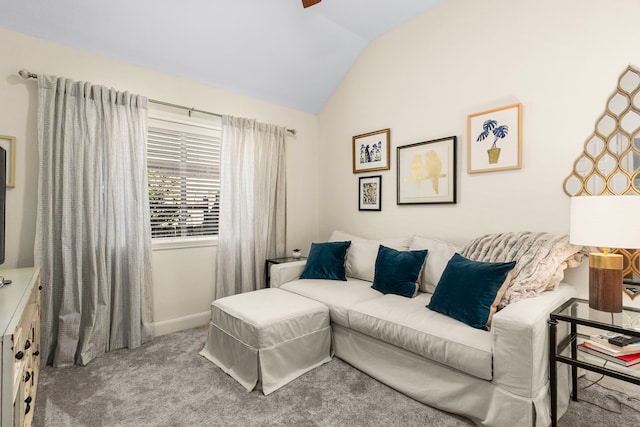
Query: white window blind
x,y
183,163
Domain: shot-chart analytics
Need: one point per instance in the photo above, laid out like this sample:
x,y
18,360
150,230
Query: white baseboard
x,y
181,323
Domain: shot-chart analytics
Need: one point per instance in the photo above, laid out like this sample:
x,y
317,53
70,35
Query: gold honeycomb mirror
x,y
610,161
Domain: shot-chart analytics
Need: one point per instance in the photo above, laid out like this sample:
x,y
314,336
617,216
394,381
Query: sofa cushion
x,y
408,324
439,255
398,272
326,261
338,296
361,256
470,291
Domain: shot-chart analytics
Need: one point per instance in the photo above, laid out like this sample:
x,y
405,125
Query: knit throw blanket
x,y
541,259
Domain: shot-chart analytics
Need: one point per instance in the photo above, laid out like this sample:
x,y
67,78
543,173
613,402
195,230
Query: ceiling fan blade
x,y
307,3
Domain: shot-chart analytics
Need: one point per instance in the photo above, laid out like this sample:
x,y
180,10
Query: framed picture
x,y
371,151
9,145
370,193
427,172
494,139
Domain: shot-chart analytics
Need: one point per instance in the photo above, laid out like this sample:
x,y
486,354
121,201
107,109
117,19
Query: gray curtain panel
x,y
93,238
252,203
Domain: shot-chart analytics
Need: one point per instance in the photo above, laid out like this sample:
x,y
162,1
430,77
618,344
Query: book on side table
x,y
605,343
621,359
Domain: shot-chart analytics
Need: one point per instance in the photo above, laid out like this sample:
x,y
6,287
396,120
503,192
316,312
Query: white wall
x,y
560,59
184,284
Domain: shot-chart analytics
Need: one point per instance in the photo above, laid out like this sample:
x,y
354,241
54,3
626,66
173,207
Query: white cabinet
x,y
20,329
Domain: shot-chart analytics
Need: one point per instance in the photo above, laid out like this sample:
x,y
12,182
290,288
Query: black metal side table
x,y
269,262
576,312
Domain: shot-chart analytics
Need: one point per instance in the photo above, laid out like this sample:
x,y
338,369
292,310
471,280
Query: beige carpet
x,y
166,383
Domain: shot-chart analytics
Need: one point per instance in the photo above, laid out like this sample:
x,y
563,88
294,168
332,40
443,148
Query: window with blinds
x,y
183,163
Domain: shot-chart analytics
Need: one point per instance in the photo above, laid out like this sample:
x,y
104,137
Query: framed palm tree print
x,y
494,139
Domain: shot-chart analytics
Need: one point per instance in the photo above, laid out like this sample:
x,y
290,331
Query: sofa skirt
x,y
446,388
269,367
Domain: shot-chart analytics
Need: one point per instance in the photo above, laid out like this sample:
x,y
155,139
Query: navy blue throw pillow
x,y
398,271
326,261
469,291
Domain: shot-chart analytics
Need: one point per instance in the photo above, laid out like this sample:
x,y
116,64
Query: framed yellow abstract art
x,y
427,172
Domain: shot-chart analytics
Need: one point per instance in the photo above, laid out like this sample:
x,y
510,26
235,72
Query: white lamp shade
x,y
605,221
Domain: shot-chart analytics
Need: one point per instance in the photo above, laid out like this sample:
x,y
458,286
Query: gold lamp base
x,y
605,282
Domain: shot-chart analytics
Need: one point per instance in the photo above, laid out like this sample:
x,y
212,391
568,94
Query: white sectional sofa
x,y
495,377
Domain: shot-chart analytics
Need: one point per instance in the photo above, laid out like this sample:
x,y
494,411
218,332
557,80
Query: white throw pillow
x,y
361,256
437,258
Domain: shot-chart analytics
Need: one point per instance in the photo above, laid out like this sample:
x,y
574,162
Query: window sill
x,y
183,243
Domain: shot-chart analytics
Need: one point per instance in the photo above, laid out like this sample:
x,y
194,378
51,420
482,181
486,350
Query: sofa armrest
x,y
286,272
520,336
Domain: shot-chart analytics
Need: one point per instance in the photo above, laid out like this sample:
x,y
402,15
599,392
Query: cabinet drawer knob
x,y
19,355
27,376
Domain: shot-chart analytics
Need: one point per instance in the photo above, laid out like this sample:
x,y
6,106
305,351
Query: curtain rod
x,y
26,74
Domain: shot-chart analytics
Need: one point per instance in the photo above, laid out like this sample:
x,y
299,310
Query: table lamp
x,y
605,222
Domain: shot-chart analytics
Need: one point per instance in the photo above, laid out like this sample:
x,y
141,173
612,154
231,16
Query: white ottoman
x,y
270,335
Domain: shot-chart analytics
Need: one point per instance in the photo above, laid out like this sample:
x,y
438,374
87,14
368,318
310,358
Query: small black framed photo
x,y
427,172
370,193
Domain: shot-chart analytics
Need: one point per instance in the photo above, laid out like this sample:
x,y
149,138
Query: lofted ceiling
x,y
273,50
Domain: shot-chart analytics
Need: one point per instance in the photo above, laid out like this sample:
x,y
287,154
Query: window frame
x,y
156,119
